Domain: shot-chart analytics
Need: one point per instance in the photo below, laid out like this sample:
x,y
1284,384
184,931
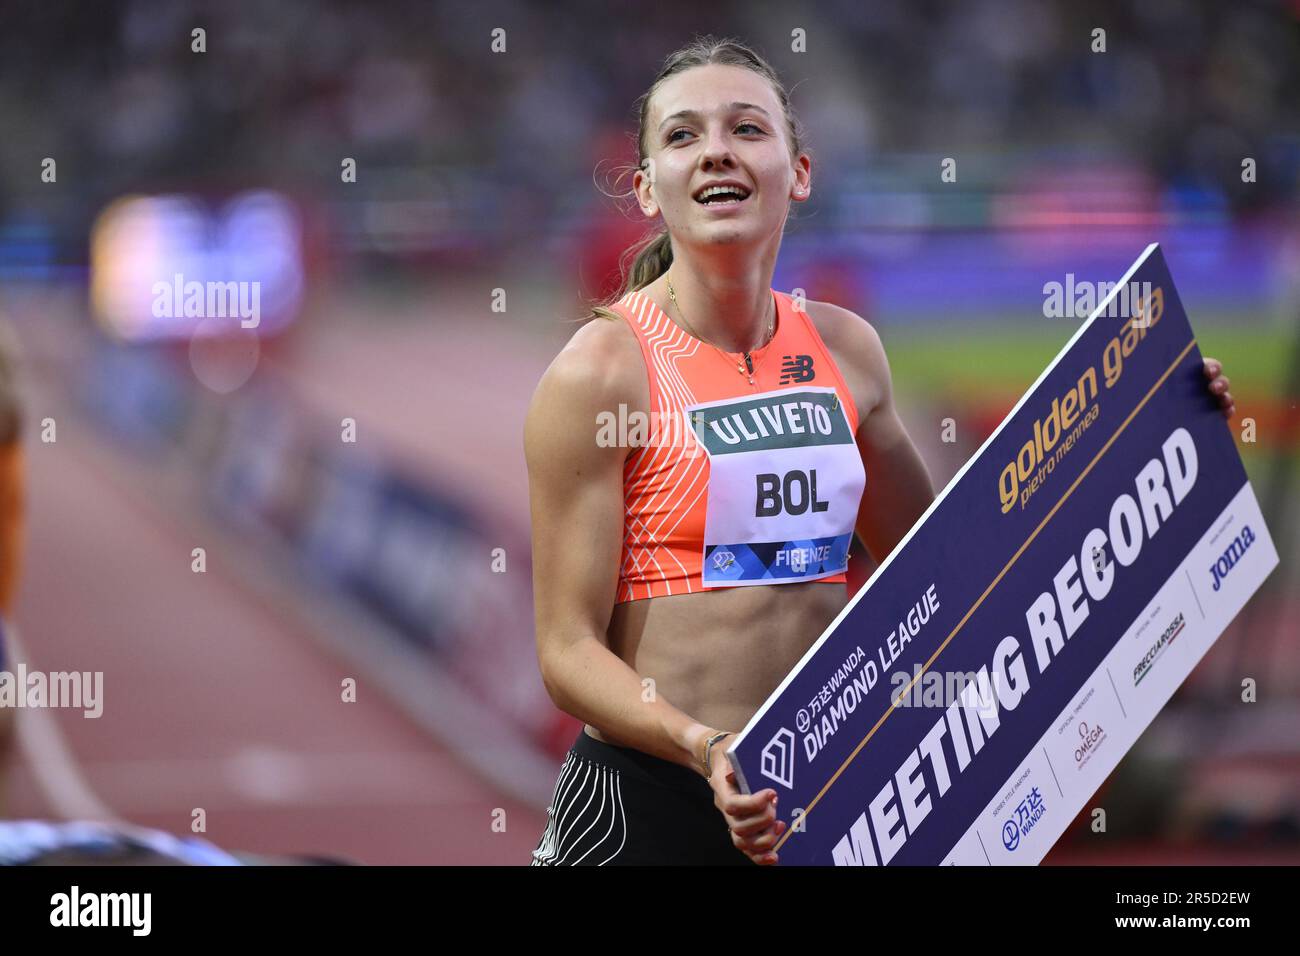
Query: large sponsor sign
x,y
971,698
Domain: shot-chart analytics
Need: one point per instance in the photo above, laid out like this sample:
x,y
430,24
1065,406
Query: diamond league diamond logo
x,y
723,560
778,758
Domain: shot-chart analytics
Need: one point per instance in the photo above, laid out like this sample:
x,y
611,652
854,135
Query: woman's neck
x,y
731,310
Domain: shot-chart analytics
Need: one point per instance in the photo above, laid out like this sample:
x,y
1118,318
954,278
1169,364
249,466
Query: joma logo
x,y
1221,568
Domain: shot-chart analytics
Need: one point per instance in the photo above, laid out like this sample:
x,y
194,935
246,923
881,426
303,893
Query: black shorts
x,y
617,806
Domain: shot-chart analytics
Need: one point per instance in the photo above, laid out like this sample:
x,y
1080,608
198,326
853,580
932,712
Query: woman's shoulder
x,y
599,367
836,323
848,335
857,351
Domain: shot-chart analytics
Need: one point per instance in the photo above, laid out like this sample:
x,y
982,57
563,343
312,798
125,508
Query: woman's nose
x,y
717,151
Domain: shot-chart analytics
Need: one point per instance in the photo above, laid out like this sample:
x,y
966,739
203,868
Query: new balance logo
x,y
796,368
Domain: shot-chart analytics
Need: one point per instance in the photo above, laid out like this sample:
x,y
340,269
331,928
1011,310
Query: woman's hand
x,y
750,817
1219,385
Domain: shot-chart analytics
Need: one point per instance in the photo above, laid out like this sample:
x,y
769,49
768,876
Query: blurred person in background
x,y
11,530
97,843
644,629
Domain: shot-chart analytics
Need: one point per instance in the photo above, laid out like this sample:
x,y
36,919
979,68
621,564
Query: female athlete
x,y
676,585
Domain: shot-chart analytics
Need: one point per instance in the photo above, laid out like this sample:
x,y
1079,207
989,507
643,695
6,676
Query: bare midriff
x,y
717,655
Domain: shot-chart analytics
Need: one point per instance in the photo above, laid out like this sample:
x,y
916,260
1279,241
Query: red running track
x,y
215,697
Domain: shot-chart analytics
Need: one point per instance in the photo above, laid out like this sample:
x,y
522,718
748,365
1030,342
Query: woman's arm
x,y
576,500
898,484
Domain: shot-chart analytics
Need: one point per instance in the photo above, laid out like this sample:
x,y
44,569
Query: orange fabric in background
x,y
12,494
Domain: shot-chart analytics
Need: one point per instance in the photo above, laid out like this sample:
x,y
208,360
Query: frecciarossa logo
x,y
1221,568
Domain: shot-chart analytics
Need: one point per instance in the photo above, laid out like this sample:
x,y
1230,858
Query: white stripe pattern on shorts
x,y
585,823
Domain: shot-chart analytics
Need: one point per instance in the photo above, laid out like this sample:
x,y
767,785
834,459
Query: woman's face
x,y
711,124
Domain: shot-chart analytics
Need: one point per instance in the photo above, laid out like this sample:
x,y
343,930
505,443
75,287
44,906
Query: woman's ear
x,y
802,187
643,181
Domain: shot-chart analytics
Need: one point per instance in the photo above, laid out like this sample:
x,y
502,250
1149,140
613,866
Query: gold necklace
x,y
749,362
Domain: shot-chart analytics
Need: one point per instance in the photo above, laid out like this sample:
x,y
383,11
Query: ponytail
x,y
641,264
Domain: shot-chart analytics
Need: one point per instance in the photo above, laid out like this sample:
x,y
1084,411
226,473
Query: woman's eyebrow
x,y
730,107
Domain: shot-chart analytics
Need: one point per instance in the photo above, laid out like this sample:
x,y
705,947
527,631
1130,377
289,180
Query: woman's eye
x,y
672,137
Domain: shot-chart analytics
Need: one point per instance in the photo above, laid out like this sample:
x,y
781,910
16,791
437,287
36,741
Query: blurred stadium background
x,y
479,171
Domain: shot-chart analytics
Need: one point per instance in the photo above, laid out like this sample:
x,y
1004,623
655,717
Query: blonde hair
x,y
649,258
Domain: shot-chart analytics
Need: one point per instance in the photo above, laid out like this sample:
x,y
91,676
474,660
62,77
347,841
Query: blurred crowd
x,y
467,153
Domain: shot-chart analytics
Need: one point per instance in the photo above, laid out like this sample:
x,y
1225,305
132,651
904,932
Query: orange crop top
x,y
736,483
